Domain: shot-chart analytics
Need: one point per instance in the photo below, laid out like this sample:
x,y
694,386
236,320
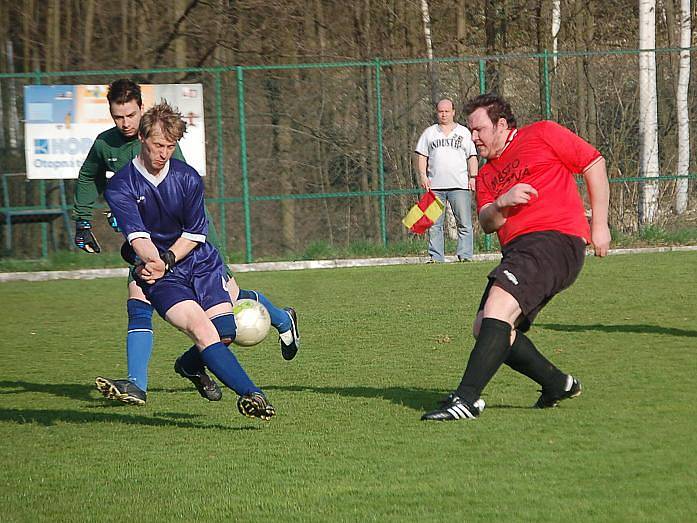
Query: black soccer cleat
x,y
549,399
455,408
204,384
255,405
120,390
290,349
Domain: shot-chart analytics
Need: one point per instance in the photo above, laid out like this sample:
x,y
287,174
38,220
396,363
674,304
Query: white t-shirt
x,y
447,155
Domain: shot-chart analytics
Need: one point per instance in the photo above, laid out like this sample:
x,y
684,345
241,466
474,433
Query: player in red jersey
x,y
527,194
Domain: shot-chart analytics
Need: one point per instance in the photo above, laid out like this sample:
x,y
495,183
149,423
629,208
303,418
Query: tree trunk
x,y
125,32
56,40
52,7
27,33
556,26
586,118
13,117
683,115
672,21
399,86
287,149
544,31
495,35
88,32
432,66
316,27
581,84
142,49
3,143
180,42
368,178
5,28
280,96
648,114
461,47
591,106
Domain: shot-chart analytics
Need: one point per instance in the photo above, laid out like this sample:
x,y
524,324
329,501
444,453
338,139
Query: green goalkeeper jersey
x,y
110,152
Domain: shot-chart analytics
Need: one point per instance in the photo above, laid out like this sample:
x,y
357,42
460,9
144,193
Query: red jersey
x,y
546,156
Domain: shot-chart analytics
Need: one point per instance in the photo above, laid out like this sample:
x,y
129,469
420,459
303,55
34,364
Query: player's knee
x,y
248,295
226,327
135,292
139,314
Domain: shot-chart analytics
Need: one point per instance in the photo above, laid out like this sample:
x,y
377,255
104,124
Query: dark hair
x,y
496,107
123,91
168,118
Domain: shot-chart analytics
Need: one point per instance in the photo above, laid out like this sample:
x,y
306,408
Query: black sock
x,y
488,354
191,361
526,359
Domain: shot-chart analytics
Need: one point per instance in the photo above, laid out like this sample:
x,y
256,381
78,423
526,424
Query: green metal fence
x,y
303,153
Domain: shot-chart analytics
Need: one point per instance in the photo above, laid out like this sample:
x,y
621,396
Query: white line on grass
x,y
90,274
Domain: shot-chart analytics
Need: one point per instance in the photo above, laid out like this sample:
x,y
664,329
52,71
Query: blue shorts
x,y
202,279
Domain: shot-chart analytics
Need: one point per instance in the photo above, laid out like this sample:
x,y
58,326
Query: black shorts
x,y
535,267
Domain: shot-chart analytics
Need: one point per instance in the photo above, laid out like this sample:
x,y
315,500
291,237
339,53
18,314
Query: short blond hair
x,y
169,118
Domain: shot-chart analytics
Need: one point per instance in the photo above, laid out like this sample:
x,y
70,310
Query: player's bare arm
x,y
156,266
152,267
182,248
422,168
472,171
493,215
595,176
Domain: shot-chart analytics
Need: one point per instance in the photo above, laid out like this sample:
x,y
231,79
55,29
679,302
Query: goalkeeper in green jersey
x,y
112,150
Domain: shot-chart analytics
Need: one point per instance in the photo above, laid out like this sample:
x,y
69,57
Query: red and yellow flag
x,y
424,214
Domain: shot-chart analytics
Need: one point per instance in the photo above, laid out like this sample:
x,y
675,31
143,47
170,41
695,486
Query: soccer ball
x,y
253,322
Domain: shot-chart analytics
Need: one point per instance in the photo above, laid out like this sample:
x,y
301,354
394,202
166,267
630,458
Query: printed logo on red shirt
x,y
511,174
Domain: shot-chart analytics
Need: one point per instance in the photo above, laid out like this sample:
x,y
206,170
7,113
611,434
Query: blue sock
x,y
223,363
279,318
139,342
226,326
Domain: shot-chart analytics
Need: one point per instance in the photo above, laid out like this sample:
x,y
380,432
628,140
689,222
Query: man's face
x,y
156,150
446,113
126,117
487,136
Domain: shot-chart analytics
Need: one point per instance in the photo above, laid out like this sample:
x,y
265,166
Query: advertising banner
x,y
62,122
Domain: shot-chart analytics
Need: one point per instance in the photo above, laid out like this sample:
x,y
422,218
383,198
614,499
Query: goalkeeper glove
x,y
84,239
112,221
129,255
170,260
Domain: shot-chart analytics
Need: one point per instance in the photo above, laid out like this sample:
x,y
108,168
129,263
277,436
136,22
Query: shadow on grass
x,y
413,398
47,418
74,391
631,328
417,399
87,393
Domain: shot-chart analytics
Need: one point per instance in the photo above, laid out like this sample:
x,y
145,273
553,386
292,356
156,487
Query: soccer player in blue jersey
x,y
158,202
111,151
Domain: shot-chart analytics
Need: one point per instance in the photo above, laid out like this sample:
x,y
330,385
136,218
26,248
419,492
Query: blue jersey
x,y
163,209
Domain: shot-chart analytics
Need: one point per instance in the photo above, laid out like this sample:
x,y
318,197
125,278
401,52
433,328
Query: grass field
x,y
380,346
